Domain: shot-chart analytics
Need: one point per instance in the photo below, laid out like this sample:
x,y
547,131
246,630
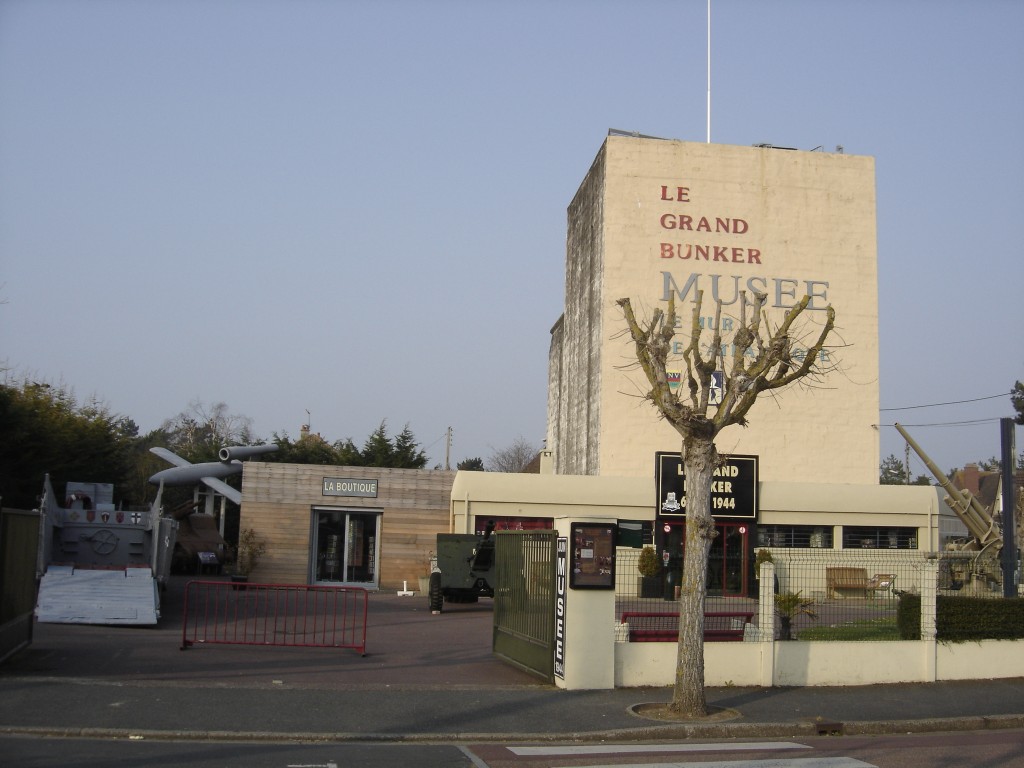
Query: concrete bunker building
x,y
654,218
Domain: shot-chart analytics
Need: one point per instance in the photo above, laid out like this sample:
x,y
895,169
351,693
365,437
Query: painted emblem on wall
x,y
675,378
717,388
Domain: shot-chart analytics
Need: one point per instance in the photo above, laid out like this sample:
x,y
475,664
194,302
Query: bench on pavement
x,y
656,627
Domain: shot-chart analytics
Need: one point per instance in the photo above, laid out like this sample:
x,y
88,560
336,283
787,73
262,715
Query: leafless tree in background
x,y
514,458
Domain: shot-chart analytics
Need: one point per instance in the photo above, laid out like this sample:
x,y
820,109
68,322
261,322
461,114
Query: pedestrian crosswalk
x,y
686,755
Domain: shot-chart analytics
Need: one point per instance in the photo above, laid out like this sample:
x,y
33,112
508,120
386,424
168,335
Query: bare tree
x,y
760,361
513,458
200,430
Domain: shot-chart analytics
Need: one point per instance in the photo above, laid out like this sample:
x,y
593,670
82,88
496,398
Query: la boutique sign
x,y
733,487
345,486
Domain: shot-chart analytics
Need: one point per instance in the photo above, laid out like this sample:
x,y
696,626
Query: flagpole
x,y
709,71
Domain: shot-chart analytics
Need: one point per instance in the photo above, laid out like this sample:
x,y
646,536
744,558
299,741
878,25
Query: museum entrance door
x,y
727,559
345,547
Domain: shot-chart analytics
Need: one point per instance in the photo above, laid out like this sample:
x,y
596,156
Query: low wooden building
x,y
361,526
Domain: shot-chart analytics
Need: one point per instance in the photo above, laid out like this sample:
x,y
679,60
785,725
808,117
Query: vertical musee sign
x,y
733,487
561,583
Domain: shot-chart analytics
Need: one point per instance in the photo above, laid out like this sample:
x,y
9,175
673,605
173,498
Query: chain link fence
x,y
829,594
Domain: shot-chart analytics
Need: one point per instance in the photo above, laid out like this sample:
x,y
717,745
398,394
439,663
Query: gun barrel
x,y
977,519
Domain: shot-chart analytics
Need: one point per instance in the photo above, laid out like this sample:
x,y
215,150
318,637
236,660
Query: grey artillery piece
x,y
465,569
985,542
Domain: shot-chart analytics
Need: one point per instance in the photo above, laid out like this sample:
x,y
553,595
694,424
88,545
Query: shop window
x,y
795,536
881,537
345,546
505,523
635,533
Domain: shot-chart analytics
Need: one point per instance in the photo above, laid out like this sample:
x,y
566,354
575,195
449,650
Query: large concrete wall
x,y
578,346
657,217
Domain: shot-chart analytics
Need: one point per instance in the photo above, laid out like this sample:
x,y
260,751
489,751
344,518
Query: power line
x,y
954,402
993,420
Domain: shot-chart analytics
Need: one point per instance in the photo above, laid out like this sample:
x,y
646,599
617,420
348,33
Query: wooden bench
x,y
652,627
856,580
852,579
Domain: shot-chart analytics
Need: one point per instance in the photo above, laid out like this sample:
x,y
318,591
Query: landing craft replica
x,y
102,565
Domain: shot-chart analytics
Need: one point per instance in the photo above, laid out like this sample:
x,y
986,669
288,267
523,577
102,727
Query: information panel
x,y
593,556
733,487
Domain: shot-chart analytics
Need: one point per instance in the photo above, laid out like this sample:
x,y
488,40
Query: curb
x,y
649,733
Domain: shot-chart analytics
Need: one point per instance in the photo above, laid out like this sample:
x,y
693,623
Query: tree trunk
x,y
699,459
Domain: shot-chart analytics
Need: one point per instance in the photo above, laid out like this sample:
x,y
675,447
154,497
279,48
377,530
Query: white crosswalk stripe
x,y
785,762
619,749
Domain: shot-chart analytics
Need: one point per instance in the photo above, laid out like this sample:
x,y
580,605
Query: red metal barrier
x,y
274,614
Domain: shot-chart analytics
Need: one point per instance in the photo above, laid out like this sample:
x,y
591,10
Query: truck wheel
x,y
434,596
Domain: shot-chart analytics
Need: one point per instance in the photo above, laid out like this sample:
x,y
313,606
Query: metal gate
x,y
19,547
524,600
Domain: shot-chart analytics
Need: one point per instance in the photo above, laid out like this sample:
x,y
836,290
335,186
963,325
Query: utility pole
x,y
448,451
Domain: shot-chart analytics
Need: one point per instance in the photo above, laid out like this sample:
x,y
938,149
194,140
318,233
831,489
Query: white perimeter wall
x,y
823,663
761,661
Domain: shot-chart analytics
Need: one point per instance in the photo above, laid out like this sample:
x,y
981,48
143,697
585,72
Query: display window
x,y
506,523
345,547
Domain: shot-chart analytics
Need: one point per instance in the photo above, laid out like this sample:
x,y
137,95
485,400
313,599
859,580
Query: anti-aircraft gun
x,y
985,539
465,569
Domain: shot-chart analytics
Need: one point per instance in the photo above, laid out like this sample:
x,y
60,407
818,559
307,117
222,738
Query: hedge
x,y
960,619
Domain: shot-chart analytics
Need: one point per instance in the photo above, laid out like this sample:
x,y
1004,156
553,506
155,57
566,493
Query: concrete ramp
x,y
70,595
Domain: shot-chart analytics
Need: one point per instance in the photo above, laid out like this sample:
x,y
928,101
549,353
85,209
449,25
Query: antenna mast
x,y
709,71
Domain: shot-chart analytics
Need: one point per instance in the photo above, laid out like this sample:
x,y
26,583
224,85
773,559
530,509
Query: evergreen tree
x,y
46,431
892,472
406,451
378,450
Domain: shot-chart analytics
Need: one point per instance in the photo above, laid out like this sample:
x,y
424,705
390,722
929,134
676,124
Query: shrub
x,y
960,619
648,564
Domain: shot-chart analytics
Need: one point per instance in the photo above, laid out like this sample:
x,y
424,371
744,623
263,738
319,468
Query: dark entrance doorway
x,y
728,558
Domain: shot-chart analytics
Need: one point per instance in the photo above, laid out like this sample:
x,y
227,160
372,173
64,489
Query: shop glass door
x,y
345,547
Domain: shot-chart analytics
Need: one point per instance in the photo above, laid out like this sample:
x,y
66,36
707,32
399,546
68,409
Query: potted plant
x,y
763,556
250,550
788,606
650,573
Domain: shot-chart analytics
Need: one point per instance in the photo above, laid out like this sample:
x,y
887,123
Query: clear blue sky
x,y
358,208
